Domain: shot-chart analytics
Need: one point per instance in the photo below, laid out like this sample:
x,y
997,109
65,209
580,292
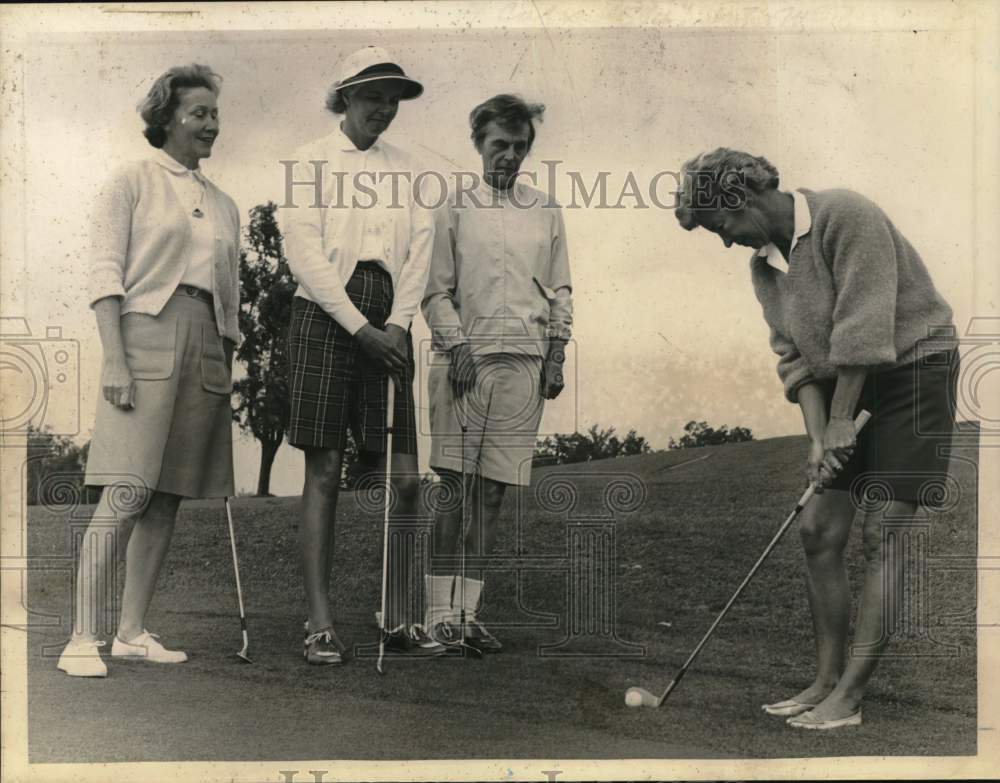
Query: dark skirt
x,y
903,452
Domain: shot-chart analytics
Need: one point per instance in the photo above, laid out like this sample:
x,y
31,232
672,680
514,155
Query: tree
x,y
55,467
265,310
699,433
634,444
594,444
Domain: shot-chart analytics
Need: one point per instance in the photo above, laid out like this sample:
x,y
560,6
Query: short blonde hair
x,y
721,179
161,101
335,103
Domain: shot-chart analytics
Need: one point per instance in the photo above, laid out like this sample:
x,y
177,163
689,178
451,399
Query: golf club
x,y
385,521
242,654
464,424
640,697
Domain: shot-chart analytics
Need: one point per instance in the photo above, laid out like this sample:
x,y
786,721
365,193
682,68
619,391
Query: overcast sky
x,y
666,325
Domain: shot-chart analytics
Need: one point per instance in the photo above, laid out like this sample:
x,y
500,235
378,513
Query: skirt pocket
x,y
216,361
150,346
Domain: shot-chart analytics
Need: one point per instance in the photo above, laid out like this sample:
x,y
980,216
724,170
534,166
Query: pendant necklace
x,y
197,210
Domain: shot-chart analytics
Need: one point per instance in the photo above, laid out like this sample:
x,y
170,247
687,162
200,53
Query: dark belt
x,y
197,293
370,265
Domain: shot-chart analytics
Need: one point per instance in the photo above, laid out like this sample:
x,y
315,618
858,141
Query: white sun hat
x,y
373,63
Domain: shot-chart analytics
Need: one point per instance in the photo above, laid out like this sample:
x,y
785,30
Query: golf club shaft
x,y
770,547
859,422
464,424
236,569
463,531
391,403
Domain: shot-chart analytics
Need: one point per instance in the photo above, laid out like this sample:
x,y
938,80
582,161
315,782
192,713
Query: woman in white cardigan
x,y
164,287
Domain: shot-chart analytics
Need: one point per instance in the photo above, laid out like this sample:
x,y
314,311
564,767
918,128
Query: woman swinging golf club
x,y
849,304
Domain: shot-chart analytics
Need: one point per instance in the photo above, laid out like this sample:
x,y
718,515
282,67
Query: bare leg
x,y
448,517
406,488
824,528
98,556
871,636
319,507
486,502
147,548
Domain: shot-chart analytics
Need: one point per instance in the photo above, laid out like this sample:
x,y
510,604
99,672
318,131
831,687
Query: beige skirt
x,y
178,437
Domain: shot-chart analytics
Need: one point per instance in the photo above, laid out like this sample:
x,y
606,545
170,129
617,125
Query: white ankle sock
x,y
473,589
438,590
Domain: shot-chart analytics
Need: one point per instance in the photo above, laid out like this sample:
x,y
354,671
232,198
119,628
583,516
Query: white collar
x,y
344,143
802,225
496,196
175,166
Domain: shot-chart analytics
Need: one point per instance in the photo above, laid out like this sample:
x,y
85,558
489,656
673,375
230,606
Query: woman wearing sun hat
x,y
857,323
360,258
164,286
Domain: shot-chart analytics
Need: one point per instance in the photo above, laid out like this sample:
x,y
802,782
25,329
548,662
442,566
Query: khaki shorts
x,y
179,436
502,416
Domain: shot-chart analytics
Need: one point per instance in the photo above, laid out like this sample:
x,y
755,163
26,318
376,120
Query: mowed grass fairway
x,y
679,558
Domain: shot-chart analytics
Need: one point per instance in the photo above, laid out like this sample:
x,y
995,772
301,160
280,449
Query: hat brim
x,y
412,88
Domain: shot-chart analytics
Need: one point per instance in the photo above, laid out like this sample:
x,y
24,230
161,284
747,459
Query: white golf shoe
x,y
145,647
80,658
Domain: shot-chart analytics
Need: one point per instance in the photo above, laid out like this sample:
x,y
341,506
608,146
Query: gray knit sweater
x,y
856,293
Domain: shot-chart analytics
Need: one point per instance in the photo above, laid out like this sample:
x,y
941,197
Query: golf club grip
x,y
390,406
859,422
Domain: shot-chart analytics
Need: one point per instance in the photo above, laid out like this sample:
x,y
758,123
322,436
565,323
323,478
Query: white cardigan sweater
x,y
141,241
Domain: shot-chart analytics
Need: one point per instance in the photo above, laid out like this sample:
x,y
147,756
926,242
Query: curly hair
x,y
721,179
162,100
335,102
510,113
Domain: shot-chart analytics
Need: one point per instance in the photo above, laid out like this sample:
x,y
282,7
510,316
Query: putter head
x,y
476,652
242,654
381,651
464,645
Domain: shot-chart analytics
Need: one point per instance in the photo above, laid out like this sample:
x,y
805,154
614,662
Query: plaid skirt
x,y
335,386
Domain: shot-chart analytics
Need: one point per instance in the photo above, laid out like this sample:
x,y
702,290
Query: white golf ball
x,y
633,698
